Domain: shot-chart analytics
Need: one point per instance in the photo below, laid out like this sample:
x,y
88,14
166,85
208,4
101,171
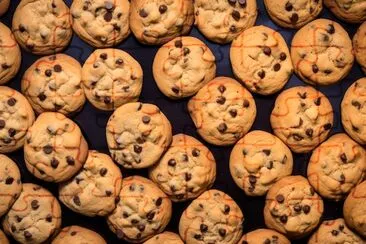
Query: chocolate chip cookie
x,y
223,111
261,60
359,46
93,190
55,148
187,169
4,5
293,207
159,21
213,217
111,78
16,116
321,52
302,118
138,134
265,236
165,238
101,23
222,20
142,211
42,26
352,11
35,216
258,160
3,238
53,83
78,235
182,66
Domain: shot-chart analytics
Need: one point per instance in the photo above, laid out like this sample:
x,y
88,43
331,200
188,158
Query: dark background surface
x,y
93,122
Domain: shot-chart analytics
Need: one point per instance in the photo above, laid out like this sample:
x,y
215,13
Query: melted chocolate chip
x,y
188,176
21,28
48,72
57,68
197,236
330,29
203,228
178,44
107,100
222,127
76,200
328,71
11,101
221,100
158,201
226,209
262,74
335,232
12,132
309,132
48,149
252,179
343,157
277,67
108,16
150,215
42,96
327,126
70,160
163,8
103,56
195,152
280,198
283,219
146,119
49,218
288,6
172,162
222,232
297,208
175,90
294,18
267,151
356,104
267,241
186,51
141,227
221,88
236,15
283,56
242,3
317,101
119,61
2,124
34,204
9,180
233,113
246,103
306,209
103,171
27,235
54,163
267,50
143,13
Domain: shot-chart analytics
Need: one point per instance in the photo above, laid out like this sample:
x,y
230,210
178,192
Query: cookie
x,y
354,209
134,144
258,160
293,13
187,169
346,10
334,232
359,46
111,78
10,184
3,238
213,217
55,148
221,21
159,21
265,236
165,238
261,60
16,116
101,23
4,5
35,216
336,166
53,83
10,56
302,118
42,26
93,190
78,235
223,111
321,52
182,66
142,211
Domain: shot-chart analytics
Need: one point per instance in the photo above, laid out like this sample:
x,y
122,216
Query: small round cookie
x,y
359,46
223,111
10,55
4,5
165,238
42,26
55,148
78,235
265,236
221,21
16,116
293,13
134,144
321,52
4,239
142,211
187,169
101,23
53,83
335,232
93,190
159,21
214,217
261,60
182,66
337,166
258,160
302,118
111,78
348,10
35,216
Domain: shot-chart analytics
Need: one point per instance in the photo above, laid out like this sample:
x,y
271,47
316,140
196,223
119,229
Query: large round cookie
x,y
213,217
352,11
42,26
138,134
261,60
4,5
101,23
182,66
78,235
321,52
55,148
336,166
165,238
53,83
159,21
111,78
293,207
93,190
359,46
34,217
258,160
223,111
302,118
3,238
187,169
263,236
16,116
143,210
10,56
222,20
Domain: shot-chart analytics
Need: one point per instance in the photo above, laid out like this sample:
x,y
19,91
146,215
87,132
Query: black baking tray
x,y
93,123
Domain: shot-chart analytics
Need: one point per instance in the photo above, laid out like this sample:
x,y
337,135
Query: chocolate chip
x,y
27,235
108,16
221,100
309,132
317,102
233,113
312,192
262,74
186,51
141,227
12,101
283,56
252,179
236,15
343,157
188,176
103,56
297,208
270,165
221,88
150,215
9,180
146,119
302,95
117,199
356,104
137,148
172,162
297,137
335,232
222,232
283,219
306,209
2,124
49,218
277,67
244,242
222,127
107,100
134,221
42,96
178,44
119,61
197,236
267,50
327,126
341,227
232,2
233,28
280,198
21,28
175,90
48,72
356,129
245,103
330,29
5,66
328,71
70,160
288,6
163,8
195,152
35,204
226,209
251,188
267,151
76,200
143,13
203,228
342,179
242,3
57,68
48,149
13,228
294,18
158,201
54,163
267,241
12,132
103,171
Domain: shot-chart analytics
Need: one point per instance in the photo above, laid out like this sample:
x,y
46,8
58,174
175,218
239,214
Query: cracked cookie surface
x,y
352,11
321,52
261,60
265,236
359,46
78,235
165,238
